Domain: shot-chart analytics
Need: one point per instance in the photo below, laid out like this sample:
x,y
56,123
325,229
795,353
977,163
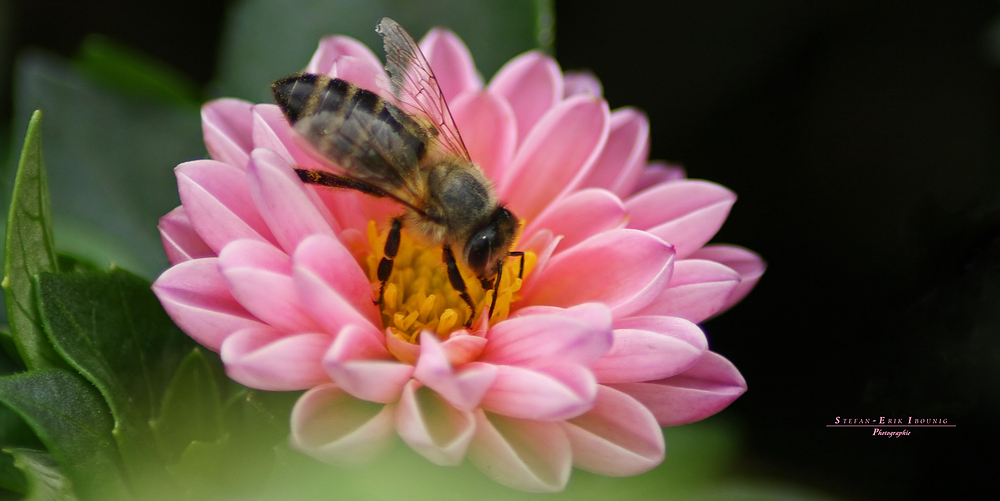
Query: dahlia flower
x,y
587,355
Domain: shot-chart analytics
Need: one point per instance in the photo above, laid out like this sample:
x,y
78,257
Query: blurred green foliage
x,y
268,39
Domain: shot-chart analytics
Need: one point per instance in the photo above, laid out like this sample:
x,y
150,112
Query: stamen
x,y
425,307
448,321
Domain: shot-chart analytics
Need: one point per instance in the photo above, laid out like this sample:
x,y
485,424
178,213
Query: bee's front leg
x,y
520,254
390,250
458,284
496,283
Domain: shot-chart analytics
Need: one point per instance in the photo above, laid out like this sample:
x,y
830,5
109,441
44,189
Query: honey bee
x,y
408,151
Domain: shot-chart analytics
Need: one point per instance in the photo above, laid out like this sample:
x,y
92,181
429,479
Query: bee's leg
x,y
496,288
390,249
457,283
496,284
520,271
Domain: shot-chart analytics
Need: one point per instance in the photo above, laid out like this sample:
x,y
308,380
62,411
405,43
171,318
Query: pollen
x,y
418,296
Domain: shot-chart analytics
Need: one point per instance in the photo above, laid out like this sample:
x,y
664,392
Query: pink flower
x,y
585,358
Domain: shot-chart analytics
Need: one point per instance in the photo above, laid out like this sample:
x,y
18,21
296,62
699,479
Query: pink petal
x,y
255,254
525,455
353,210
272,131
624,269
197,298
656,173
544,244
618,437
685,213
404,351
581,82
697,290
331,286
432,427
272,360
361,365
538,241
624,156
650,348
488,128
180,241
216,198
581,215
463,388
461,348
226,126
278,193
451,61
557,156
550,393
259,277
747,263
332,48
595,314
704,389
579,335
532,84
360,72
335,427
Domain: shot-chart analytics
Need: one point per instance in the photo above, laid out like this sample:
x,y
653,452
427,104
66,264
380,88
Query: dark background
x,y
861,137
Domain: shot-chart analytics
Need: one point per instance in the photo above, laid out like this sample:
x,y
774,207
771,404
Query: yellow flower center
x,y
419,297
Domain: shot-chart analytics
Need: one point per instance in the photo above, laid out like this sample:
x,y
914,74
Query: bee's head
x,y
491,244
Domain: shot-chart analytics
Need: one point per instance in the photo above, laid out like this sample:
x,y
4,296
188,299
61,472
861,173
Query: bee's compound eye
x,y
479,249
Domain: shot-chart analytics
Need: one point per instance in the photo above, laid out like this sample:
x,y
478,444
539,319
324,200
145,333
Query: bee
x,y
409,151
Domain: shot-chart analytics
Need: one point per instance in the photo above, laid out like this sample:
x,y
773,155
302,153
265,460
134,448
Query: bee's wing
x,y
416,89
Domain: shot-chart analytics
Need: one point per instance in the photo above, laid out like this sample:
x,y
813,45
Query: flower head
x,y
589,351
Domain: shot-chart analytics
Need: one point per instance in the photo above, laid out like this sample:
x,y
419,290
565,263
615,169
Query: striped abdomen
x,y
367,137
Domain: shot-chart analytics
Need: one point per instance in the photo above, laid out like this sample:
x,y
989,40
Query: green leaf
x,y
268,39
31,249
45,481
201,470
111,328
189,428
131,72
191,409
227,449
11,477
69,263
265,413
257,422
73,422
240,461
9,360
14,432
110,161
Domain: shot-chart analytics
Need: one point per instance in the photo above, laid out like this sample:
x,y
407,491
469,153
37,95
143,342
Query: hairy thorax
x,y
460,201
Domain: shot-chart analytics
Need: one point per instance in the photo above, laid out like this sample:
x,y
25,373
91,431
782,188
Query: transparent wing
x,y
416,89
